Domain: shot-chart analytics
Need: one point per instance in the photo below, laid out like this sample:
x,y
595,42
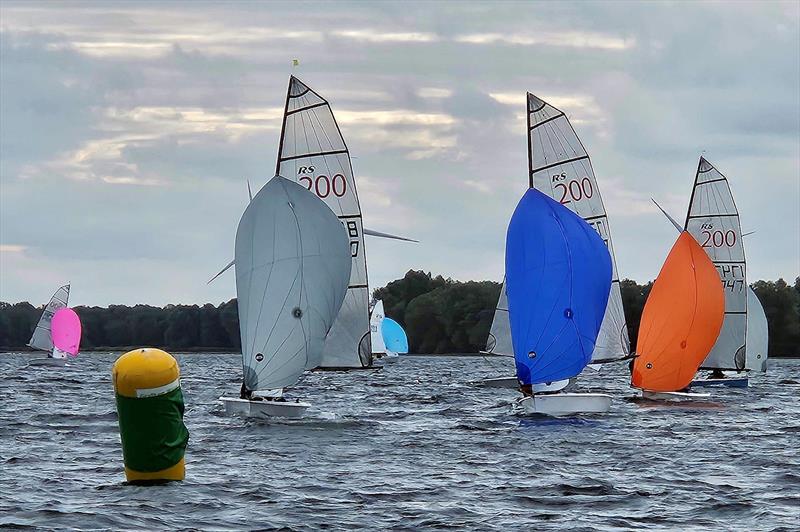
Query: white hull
x,y
263,409
734,382
510,383
49,362
391,358
565,404
674,396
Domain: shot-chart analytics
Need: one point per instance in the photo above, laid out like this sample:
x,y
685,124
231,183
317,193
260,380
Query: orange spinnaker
x,y
681,319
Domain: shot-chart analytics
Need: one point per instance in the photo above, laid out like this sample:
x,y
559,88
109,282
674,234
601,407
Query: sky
x,y
128,130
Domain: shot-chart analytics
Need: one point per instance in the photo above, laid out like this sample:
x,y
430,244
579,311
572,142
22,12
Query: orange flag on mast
x,y
680,321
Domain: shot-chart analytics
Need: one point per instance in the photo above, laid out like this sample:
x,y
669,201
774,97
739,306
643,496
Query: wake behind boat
x,y
292,270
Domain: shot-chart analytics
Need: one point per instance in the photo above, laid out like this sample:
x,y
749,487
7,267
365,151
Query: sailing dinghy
x,y
680,323
395,340
558,280
376,330
559,166
313,153
42,338
713,220
292,270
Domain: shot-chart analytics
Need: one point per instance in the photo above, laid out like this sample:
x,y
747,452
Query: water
x,y
410,447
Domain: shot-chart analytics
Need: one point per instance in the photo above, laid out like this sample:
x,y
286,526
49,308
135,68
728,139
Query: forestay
x,y
560,167
558,276
375,329
757,333
313,153
292,270
42,337
713,221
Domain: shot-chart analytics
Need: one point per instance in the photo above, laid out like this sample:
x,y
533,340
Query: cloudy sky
x,y
128,130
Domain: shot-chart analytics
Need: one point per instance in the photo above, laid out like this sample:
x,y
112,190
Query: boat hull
x,y
48,362
736,382
674,396
391,359
235,406
566,404
510,383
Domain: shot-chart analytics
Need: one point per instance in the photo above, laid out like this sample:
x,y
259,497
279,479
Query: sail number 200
x,y
323,185
718,239
574,190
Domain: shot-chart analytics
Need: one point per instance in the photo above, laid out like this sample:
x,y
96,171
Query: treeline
x,y
440,316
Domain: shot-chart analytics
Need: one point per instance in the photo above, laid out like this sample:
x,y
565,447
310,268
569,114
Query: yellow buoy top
x,y
145,369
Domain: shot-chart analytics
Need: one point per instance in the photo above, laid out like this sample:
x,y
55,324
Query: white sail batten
x,y
376,330
560,167
713,221
41,338
757,340
292,271
313,153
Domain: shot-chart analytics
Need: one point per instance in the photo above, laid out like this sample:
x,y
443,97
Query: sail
x,y
560,167
757,333
292,270
713,221
681,319
313,153
66,331
499,341
394,337
558,276
375,329
41,338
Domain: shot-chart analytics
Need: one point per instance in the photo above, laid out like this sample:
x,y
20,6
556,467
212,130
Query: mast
x,y
313,153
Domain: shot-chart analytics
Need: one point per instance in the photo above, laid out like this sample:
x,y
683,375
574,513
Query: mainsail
x,y
757,333
713,221
313,153
560,167
42,338
681,319
558,276
376,329
292,270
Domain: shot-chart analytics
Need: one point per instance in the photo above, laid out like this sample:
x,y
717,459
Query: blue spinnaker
x,y
558,279
394,336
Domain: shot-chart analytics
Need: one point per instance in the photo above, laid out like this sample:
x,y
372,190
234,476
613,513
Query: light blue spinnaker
x,y
394,337
558,279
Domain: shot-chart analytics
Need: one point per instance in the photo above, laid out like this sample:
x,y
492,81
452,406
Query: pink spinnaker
x,y
66,331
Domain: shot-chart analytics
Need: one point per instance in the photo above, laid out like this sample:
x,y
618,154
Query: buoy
x,y
150,410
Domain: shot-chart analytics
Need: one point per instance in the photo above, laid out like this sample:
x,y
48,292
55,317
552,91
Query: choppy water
x,y
410,447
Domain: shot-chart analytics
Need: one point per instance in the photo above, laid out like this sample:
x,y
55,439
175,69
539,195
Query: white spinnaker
x,y
757,333
559,166
41,338
292,270
713,221
499,341
313,153
375,331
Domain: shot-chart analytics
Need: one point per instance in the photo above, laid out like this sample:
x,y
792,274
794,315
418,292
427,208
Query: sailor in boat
x,y
716,374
